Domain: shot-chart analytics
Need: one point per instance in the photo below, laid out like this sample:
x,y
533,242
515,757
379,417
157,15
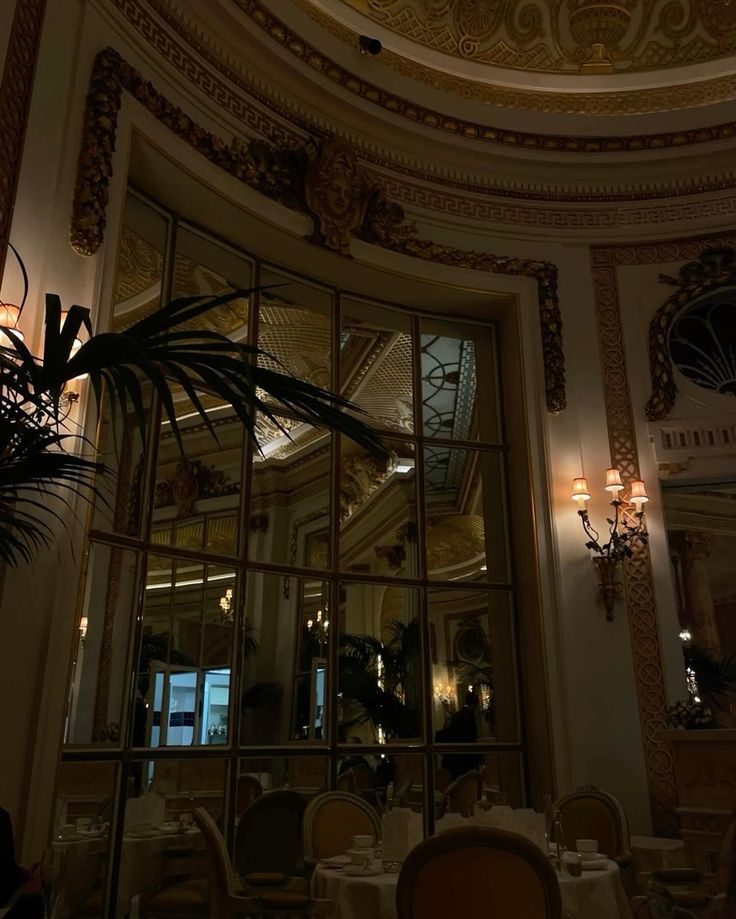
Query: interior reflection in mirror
x,y
183,685
285,654
378,530
380,672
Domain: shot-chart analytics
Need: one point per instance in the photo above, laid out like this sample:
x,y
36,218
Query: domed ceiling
x,y
577,56
568,36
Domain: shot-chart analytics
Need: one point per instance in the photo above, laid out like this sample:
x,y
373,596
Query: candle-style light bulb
x,y
639,494
613,481
580,493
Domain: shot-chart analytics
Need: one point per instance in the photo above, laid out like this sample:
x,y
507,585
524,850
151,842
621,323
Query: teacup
x,y
586,846
362,857
361,842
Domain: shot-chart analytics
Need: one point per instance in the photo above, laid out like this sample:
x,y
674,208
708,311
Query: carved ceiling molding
x,y
564,36
330,186
620,102
324,66
713,269
15,102
639,583
451,124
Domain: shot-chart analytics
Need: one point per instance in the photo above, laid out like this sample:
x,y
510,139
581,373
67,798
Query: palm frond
x,y
35,470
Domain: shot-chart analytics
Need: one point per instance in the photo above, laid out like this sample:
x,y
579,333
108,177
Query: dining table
x,y
596,894
80,862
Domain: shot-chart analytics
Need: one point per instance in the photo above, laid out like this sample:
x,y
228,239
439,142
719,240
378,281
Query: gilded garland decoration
x,y
329,185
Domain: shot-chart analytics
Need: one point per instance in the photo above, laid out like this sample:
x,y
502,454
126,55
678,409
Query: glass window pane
x,y
83,816
459,381
285,661
290,520
376,364
184,661
380,664
99,668
140,264
162,846
204,267
378,531
197,496
307,775
473,656
466,518
295,328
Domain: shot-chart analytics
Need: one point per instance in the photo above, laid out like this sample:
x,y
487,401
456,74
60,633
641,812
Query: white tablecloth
x,y
652,853
595,895
80,865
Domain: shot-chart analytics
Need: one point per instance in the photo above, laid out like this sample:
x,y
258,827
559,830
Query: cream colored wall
x,y
592,697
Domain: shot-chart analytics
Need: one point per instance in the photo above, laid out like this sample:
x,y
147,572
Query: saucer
x,y
593,857
359,871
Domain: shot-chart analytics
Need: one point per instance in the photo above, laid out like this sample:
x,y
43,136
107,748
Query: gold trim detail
x,y
314,59
15,103
283,125
714,268
639,584
450,124
620,102
568,36
287,176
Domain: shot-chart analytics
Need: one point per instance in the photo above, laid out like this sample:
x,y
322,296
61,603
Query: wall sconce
x,y
621,534
83,623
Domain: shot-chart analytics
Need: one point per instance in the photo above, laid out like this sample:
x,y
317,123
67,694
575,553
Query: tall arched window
x,y
299,614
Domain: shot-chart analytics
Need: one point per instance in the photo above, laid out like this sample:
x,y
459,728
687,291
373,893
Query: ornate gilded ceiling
x,y
552,36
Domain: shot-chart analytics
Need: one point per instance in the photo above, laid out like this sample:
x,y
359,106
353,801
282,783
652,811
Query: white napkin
x,y
148,809
401,831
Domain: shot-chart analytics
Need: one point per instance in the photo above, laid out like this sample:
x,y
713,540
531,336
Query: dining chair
x,y
331,820
249,789
477,871
228,899
590,813
463,794
268,840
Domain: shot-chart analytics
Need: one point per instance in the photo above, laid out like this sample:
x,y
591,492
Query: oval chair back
x,y
593,814
219,871
462,795
332,819
269,835
477,871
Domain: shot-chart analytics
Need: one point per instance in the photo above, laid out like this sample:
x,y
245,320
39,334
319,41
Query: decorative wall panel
x,y
639,585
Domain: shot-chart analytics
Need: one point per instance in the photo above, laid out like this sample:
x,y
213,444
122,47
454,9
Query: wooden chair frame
x,y
316,804
623,838
474,837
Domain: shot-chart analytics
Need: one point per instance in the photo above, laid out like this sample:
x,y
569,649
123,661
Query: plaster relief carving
x,y
342,211
337,192
598,36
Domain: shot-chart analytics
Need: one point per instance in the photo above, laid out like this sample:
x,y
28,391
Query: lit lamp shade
x,y
580,491
9,316
639,494
613,480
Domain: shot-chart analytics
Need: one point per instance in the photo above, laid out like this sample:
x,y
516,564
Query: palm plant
x,y
378,680
40,449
